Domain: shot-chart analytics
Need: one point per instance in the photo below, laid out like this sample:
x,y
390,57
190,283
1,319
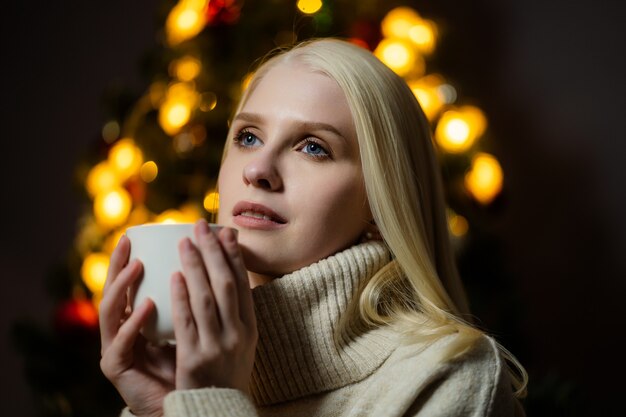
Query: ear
x,y
371,232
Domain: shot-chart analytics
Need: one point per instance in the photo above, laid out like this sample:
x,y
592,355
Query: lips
x,y
257,211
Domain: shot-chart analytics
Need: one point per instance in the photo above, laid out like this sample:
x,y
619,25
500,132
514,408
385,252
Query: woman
x,y
339,296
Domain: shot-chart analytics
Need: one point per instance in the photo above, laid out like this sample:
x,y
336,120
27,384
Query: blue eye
x,y
314,149
246,139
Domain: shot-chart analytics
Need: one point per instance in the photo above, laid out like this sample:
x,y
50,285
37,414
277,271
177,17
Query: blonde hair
x,y
419,291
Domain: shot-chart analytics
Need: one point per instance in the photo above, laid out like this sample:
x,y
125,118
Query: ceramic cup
x,y
156,246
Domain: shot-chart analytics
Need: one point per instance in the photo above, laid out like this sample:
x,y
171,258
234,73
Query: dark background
x,y
549,76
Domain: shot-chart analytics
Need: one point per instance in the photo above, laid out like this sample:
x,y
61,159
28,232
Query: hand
x,y
143,374
213,313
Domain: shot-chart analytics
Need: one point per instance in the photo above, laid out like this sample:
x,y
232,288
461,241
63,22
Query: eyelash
x,y
238,141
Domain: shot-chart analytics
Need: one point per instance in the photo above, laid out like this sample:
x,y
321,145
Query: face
x,y
291,182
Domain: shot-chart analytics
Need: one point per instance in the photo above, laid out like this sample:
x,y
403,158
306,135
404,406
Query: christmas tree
x,y
158,157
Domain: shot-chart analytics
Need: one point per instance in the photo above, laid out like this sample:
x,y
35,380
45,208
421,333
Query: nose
x,y
262,172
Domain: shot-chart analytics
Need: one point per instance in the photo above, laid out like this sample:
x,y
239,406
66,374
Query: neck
x,y
256,280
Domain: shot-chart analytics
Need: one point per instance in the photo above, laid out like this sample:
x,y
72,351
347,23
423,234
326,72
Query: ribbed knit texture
x,y
300,349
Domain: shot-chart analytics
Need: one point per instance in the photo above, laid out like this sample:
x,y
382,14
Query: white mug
x,y
156,246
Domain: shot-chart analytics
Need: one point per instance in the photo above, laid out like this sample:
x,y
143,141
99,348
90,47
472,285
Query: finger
x,y
119,259
201,298
228,238
221,276
185,330
119,355
114,302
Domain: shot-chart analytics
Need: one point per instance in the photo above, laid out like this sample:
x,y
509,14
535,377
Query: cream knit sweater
x,y
303,368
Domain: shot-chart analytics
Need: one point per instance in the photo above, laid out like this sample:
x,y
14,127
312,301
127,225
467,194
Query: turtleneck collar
x,y
301,350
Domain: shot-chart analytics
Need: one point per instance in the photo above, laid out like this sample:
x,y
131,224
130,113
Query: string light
x,y
457,224
399,21
102,177
94,271
426,91
484,180
125,158
398,55
171,216
424,35
149,171
187,68
185,20
175,112
309,6
458,129
112,208
211,202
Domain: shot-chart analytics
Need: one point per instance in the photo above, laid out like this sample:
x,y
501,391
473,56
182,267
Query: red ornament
x,y
77,314
366,31
223,12
137,190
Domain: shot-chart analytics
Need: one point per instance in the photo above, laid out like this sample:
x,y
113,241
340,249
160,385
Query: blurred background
x,y
526,100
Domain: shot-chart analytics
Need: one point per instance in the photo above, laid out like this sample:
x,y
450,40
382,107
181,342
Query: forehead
x,y
292,90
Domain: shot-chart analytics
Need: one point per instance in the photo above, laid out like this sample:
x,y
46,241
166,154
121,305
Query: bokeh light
x,y
112,208
426,91
187,68
149,171
101,178
458,129
484,179
309,6
211,202
399,21
125,158
185,20
175,112
424,36
94,271
399,56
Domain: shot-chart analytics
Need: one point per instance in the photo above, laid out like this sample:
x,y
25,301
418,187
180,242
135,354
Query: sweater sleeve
x,y
208,402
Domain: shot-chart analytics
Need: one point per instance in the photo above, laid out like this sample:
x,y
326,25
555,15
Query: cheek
x,y
342,206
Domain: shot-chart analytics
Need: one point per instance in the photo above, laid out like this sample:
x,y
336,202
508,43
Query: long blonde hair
x,y
419,291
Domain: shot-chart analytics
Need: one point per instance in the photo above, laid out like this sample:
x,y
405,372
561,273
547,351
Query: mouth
x,y
257,212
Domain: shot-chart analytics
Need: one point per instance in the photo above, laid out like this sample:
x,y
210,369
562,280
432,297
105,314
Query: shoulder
x,y
473,384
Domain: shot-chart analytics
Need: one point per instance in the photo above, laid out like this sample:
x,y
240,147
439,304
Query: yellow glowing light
x,y
111,208
149,171
175,112
399,21
457,224
458,130
211,202
139,215
424,36
191,212
185,21
397,55
94,271
485,177
126,158
171,216
102,177
187,68
426,91
309,6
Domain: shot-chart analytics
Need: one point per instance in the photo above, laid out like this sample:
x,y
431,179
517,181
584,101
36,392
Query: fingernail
x,y
204,227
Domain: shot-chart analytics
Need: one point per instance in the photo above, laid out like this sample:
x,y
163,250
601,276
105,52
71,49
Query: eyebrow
x,y
313,126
